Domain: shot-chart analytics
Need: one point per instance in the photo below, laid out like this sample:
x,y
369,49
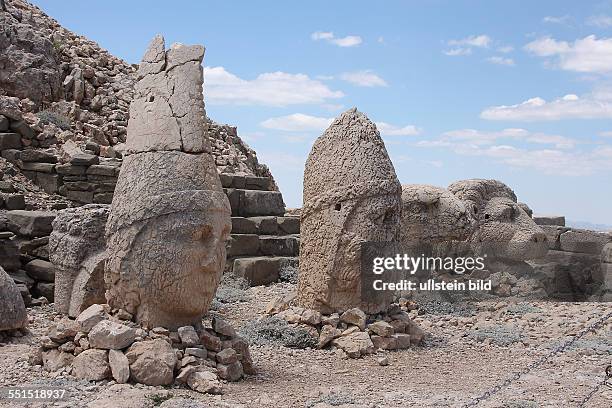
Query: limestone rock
x,y
167,112
111,335
63,330
152,362
606,253
30,223
230,372
91,365
381,328
328,333
119,365
355,344
205,382
222,327
77,250
55,359
227,356
13,313
91,316
168,204
354,316
351,196
188,336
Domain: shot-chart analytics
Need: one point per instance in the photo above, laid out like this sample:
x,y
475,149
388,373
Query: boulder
x,y
91,316
584,241
381,328
30,223
188,336
12,308
351,196
152,362
111,335
204,382
119,365
77,249
91,365
55,359
168,204
354,316
40,270
230,372
9,255
355,344
63,330
557,220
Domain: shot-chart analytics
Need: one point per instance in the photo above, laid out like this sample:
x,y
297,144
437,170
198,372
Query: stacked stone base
x,y
353,333
100,345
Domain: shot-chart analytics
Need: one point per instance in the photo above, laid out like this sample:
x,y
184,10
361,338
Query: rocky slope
x,y
65,92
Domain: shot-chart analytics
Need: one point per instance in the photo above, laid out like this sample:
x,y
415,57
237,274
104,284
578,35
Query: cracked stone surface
x,y
351,196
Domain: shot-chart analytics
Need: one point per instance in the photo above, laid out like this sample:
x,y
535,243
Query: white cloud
x,y
364,78
387,129
481,138
481,41
501,61
269,89
607,133
505,49
348,41
556,20
464,45
455,52
558,159
600,21
595,105
297,122
588,54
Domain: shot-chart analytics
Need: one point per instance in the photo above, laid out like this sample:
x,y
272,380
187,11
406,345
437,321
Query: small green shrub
x,y
276,331
61,121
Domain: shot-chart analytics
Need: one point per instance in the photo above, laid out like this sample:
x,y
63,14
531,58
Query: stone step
x,y
266,225
245,182
256,245
252,203
262,270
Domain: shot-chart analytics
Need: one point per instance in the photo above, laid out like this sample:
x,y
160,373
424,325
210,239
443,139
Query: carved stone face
x,y
183,255
505,231
372,219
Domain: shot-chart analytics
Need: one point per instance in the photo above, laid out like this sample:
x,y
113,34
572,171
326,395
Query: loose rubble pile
x,y
24,253
100,345
352,332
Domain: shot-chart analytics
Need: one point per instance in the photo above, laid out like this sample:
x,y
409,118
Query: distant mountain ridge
x,y
589,226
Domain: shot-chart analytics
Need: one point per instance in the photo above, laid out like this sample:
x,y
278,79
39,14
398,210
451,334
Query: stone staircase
x,y
263,240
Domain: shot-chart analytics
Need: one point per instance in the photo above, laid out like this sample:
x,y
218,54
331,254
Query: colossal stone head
x,y
502,229
77,250
351,196
433,214
169,218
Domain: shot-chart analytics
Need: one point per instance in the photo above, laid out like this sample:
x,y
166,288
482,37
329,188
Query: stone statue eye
x,y
487,216
337,207
151,98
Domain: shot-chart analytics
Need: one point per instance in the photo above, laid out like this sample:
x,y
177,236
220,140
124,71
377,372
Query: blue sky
x,y
517,91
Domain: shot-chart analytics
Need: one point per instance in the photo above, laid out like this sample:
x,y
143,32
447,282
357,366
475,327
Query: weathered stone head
x,y
77,249
433,214
351,196
502,229
169,218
